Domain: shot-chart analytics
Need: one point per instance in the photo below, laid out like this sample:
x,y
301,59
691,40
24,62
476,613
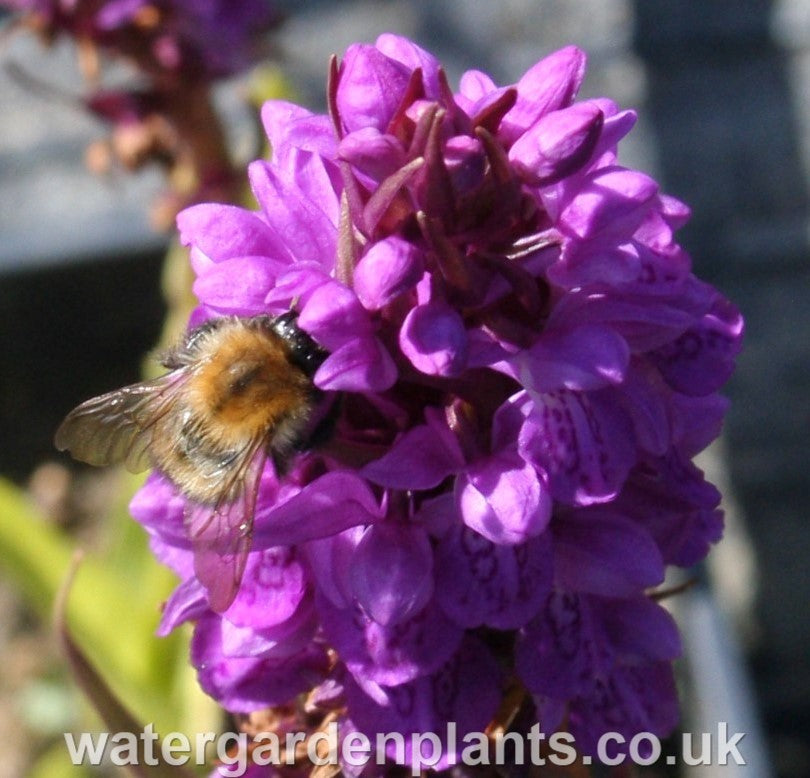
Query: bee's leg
x,y
323,429
281,462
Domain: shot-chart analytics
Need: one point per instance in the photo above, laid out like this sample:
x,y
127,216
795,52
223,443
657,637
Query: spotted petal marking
x,y
583,442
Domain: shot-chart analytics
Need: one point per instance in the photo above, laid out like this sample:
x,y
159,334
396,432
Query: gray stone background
x,y
723,91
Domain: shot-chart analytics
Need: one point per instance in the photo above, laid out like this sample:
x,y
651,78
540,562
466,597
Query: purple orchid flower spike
x,y
521,366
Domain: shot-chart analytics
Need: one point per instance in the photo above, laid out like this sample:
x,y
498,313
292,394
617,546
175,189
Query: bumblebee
x,y
238,390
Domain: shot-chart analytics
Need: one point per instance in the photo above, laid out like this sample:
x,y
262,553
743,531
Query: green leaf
x,y
114,609
109,706
55,763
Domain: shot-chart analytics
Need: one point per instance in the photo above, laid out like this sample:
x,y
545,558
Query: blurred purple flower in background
x,y
526,366
188,39
175,50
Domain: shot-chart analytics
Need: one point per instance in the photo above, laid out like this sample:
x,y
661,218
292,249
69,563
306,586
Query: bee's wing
x,y
221,534
118,426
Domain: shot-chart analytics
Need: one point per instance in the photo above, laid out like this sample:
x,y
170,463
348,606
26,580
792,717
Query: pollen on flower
x,y
523,366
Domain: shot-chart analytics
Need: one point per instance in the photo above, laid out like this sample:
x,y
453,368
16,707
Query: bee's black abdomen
x,y
304,352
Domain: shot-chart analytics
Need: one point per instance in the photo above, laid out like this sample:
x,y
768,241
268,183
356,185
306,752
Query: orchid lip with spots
x,y
525,365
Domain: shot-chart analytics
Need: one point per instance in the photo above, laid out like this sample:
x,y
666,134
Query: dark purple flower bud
x,y
549,85
389,268
434,339
371,88
412,56
558,144
466,164
474,86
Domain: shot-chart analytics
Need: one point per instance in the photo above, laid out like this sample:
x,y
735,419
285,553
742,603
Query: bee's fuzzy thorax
x,y
244,384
